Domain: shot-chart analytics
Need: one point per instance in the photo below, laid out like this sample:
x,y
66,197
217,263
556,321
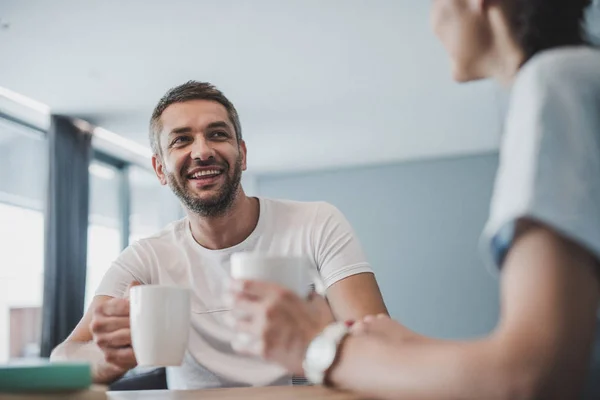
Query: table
x,y
262,393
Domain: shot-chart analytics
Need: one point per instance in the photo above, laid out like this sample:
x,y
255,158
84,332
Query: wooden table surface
x,y
263,393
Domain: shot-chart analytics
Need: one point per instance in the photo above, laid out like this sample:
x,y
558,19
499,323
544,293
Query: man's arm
x,y
101,338
355,297
540,349
340,254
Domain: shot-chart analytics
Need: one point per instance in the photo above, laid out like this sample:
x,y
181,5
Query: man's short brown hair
x,y
191,90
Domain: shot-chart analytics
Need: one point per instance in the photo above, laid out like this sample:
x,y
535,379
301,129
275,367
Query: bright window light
x,y
122,142
101,171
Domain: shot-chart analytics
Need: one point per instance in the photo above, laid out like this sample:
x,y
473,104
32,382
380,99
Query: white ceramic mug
x,y
160,324
294,273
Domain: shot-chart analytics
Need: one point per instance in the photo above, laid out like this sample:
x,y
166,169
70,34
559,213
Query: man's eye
x,y
219,134
178,140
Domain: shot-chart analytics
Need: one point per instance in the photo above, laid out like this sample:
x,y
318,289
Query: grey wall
x,y
419,224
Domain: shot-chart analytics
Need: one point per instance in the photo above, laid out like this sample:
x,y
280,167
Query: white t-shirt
x,y
316,230
550,154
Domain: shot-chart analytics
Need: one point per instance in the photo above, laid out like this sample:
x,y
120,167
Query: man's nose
x,y
201,150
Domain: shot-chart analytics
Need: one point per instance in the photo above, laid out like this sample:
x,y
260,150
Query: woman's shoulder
x,y
563,66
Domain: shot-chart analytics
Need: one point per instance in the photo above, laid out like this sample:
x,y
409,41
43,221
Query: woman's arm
x,y
540,349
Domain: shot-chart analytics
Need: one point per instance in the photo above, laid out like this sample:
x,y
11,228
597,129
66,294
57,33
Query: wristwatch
x,y
322,352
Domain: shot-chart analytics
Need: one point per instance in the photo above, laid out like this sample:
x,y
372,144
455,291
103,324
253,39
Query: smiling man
x,y
199,153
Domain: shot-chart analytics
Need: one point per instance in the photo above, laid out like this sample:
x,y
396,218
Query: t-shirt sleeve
x,y
133,264
549,162
338,251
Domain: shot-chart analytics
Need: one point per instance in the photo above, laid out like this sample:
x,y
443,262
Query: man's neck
x,y
228,230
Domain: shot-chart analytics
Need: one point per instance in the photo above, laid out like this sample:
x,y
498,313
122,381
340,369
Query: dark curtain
x,y
593,382
66,221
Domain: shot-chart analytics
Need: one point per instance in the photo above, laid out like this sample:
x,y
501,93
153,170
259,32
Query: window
x,y
127,203
152,205
104,230
23,166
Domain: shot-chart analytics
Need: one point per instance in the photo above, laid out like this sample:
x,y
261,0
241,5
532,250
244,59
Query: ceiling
x,y
317,83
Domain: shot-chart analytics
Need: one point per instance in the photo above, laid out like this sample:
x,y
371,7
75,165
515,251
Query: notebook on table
x,y
44,377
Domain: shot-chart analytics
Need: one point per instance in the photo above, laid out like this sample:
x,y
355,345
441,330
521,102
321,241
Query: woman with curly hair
x,y
542,237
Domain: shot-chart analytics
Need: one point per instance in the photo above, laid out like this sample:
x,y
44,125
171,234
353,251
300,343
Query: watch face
x,y
321,353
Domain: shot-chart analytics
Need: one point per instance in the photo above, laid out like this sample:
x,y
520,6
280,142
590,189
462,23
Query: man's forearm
x,y
422,370
102,372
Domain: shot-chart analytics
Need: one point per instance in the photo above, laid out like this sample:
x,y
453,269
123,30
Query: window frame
x,y
124,200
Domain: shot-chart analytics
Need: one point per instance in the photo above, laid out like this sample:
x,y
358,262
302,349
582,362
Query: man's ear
x,y
244,154
157,164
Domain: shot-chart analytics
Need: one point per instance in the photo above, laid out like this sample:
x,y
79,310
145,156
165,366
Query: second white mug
x,y
160,324
294,273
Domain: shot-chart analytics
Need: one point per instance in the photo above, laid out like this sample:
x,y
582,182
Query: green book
x,y
44,376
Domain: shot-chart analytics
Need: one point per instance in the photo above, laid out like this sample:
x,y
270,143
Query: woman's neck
x,y
506,56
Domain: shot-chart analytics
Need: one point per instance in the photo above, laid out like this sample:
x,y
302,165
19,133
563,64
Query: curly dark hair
x,y
191,90
543,24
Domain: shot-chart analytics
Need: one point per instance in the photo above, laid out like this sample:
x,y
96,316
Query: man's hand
x,y
111,332
277,323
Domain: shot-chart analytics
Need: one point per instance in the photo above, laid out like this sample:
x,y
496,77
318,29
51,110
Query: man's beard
x,y
213,207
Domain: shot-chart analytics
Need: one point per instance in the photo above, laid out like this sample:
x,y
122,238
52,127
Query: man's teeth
x,y
204,173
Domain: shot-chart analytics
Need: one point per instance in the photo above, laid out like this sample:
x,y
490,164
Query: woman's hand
x,y
278,325
386,329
